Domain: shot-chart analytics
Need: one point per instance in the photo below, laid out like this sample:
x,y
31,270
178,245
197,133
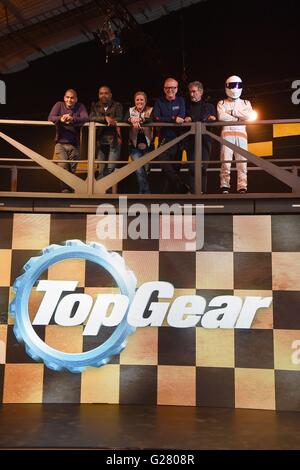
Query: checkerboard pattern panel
x,y
277,140
244,368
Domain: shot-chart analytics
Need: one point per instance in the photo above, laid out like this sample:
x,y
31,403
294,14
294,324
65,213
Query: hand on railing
x,y
110,121
135,122
67,118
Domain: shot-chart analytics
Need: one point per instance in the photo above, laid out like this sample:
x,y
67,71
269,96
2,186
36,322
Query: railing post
x,y
295,173
14,179
198,158
91,157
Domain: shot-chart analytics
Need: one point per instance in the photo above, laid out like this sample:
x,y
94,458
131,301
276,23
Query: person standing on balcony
x,y
140,137
108,112
170,108
68,115
198,110
233,108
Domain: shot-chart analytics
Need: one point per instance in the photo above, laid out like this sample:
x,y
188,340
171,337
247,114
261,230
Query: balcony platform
x,y
250,203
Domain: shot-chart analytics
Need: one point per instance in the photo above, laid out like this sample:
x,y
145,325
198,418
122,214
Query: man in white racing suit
x,y
234,109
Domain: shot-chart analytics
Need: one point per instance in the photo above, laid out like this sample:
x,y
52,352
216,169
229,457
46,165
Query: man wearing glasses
x,y
234,109
198,110
170,108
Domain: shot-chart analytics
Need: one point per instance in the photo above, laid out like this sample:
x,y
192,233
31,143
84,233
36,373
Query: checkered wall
x,y
242,255
277,140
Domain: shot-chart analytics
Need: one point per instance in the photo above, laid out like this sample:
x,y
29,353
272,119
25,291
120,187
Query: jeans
x,y
110,152
141,174
67,152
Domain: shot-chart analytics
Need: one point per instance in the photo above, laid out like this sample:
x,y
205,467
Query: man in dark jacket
x,y
108,112
170,108
198,110
68,115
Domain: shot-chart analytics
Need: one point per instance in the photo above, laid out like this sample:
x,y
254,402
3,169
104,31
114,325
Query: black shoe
x,y
242,191
224,190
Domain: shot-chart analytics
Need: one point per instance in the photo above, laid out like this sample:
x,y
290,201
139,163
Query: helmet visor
x,y
233,85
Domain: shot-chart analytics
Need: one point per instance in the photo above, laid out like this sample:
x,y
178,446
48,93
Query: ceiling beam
x,y
16,12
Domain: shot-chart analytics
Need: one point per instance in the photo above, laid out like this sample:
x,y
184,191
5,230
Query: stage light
x,y
253,116
109,36
114,28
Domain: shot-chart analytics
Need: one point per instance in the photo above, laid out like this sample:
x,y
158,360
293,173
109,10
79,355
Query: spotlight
x,y
109,36
253,116
113,31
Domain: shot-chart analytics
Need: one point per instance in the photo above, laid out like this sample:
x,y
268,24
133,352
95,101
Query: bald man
x,y
68,115
170,108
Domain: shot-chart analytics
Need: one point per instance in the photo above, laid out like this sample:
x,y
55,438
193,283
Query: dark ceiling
x,y
31,29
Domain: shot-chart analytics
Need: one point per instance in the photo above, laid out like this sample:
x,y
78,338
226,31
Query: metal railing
x,y
93,187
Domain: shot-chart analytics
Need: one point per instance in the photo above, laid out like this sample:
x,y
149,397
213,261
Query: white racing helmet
x,y
234,87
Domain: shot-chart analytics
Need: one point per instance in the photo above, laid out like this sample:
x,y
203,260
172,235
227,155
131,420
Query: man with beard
x,y
108,112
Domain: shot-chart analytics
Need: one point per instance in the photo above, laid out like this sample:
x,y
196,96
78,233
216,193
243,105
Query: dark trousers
x,y
173,183
67,152
206,149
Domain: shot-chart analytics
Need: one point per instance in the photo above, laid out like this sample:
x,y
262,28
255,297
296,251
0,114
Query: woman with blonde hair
x,y
140,137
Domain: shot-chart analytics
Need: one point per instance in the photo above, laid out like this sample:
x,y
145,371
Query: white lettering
x,y
139,222
166,225
250,307
111,309
296,95
2,92
53,290
63,315
296,354
158,309
222,317
182,223
118,304
107,227
185,311
118,460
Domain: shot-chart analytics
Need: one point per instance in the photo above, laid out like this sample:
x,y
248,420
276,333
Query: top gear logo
x,y
23,329
124,311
